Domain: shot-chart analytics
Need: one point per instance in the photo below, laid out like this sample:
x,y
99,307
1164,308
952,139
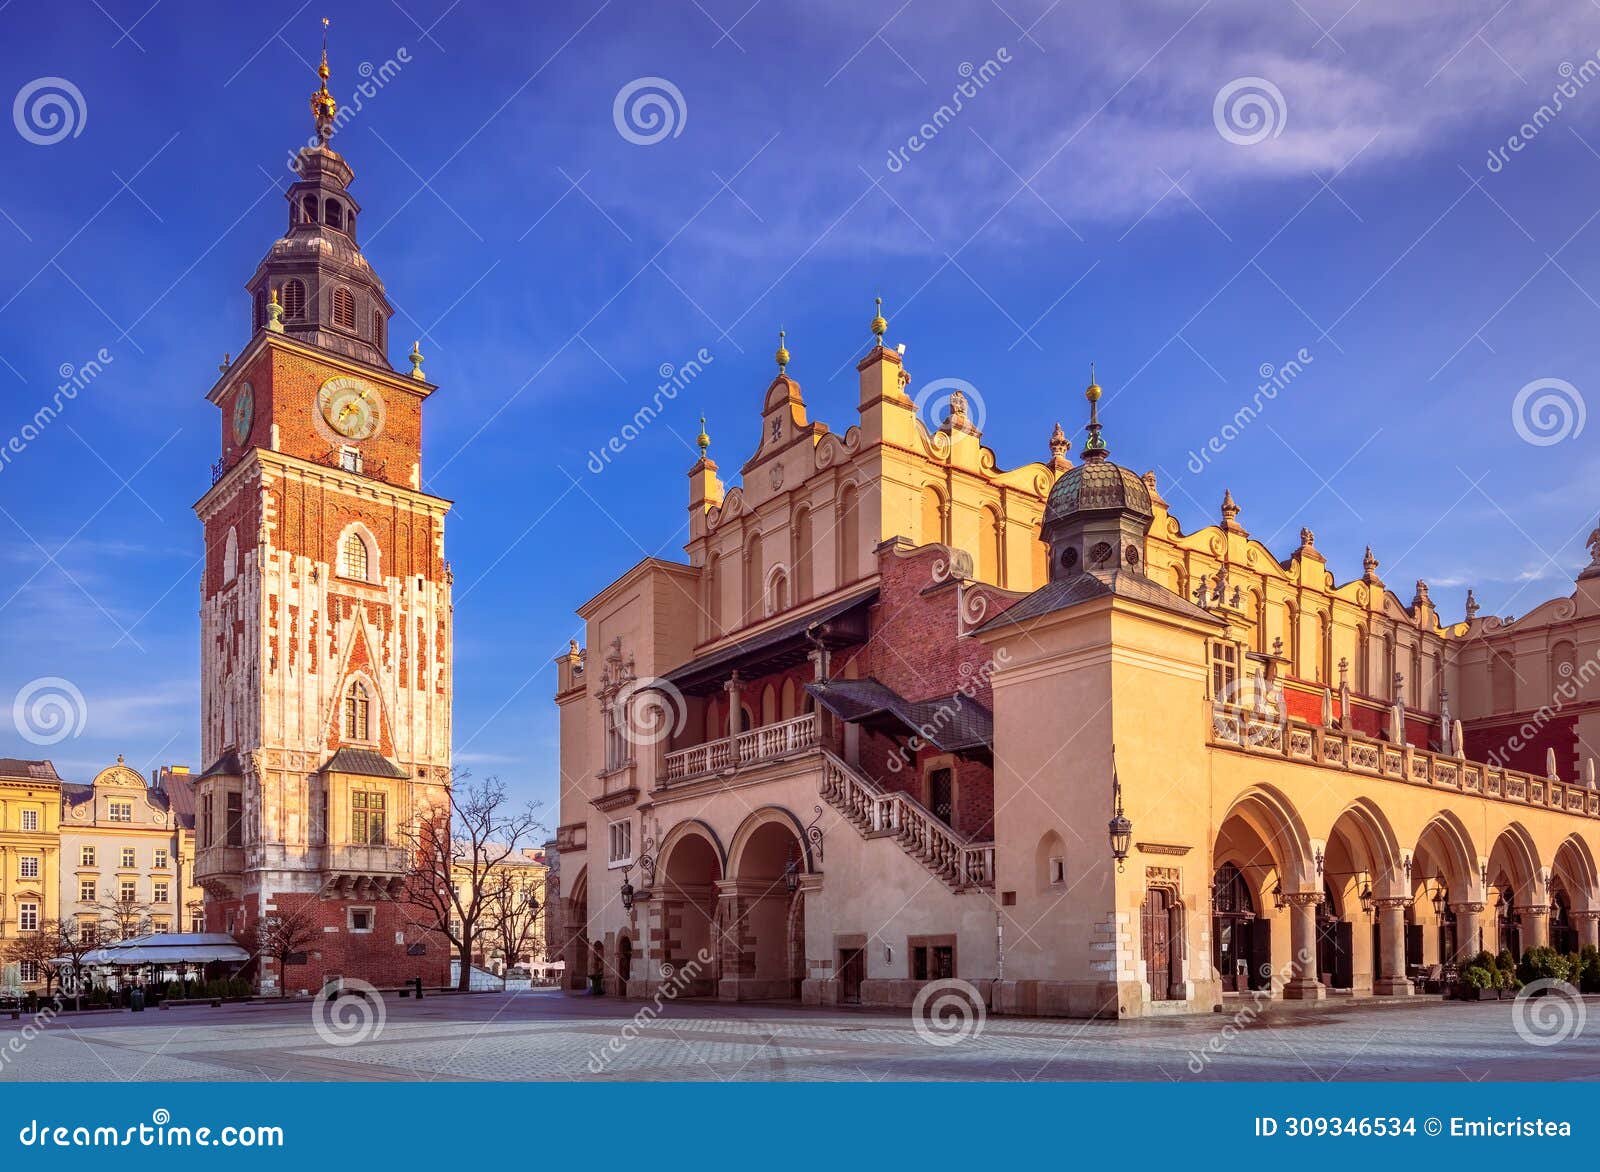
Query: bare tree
x,y
281,936
455,852
72,945
36,949
512,912
124,916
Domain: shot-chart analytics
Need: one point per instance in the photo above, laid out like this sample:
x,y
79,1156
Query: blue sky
x,y
1092,200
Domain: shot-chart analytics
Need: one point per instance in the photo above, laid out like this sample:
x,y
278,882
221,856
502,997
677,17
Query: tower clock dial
x,y
244,413
350,408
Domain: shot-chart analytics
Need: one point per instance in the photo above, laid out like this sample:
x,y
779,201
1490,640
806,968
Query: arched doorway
x,y
690,869
768,860
1522,905
1162,943
624,962
1508,921
1241,943
1444,884
576,953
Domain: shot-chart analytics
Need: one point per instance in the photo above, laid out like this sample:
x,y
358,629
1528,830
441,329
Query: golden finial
x,y
1094,448
879,326
323,106
782,355
703,440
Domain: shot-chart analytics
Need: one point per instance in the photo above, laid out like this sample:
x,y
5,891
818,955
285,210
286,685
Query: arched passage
x,y
690,869
576,913
1444,920
1264,898
1361,936
762,937
1517,894
1576,889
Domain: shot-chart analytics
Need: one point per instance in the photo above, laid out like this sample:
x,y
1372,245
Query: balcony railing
x,y
767,743
1271,736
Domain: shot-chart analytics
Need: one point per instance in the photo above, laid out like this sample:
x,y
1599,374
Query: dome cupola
x,y
1098,512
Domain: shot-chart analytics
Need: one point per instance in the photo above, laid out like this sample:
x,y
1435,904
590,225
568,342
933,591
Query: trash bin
x,y
136,1000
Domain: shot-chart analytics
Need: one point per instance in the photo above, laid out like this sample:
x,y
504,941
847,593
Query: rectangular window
x,y
128,891
28,917
206,822
129,857
160,893
30,820
28,971
161,858
88,931
1224,672
621,842
367,817
28,866
197,922
86,856
160,924
361,919
235,832
120,812
85,890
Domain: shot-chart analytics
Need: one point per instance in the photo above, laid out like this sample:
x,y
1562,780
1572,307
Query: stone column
x,y
1469,921
1303,986
735,706
1390,980
1588,929
1535,925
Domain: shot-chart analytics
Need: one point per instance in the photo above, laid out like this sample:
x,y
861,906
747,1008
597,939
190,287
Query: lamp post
x,y
627,890
1120,828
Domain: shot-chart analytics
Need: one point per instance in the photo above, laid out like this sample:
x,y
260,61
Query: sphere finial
x,y
274,315
323,106
782,355
703,440
1094,448
879,326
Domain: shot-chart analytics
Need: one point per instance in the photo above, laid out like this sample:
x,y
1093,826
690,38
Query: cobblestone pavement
x,y
547,1035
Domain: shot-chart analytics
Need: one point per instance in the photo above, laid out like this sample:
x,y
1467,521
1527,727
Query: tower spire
x,y
1094,448
879,325
323,106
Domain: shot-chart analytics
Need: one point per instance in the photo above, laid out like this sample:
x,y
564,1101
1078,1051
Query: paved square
x,y
548,1035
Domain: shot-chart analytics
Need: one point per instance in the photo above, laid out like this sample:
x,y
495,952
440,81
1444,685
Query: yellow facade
x,y
30,809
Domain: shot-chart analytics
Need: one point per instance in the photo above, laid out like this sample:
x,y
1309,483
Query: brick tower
x,y
325,612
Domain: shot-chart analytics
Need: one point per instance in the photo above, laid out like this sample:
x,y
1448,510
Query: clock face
x,y
244,413
351,408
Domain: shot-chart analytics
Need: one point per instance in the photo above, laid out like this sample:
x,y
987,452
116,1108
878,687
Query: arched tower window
x,y
261,308
230,557
777,591
344,308
294,300
353,560
357,712
308,210
378,324
333,214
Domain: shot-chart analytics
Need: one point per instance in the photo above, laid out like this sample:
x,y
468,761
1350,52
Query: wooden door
x,y
852,971
1156,932
1261,954
941,795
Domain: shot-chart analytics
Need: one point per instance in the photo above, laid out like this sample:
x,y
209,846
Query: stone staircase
x,y
959,864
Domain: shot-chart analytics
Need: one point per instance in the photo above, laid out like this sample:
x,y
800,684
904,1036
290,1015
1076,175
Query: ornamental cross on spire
x,y
323,106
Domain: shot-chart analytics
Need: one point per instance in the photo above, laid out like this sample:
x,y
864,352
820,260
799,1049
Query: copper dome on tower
x,y
1098,485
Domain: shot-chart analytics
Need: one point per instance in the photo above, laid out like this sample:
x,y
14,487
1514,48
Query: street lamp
x,y
1119,828
1366,895
791,876
627,890
1439,896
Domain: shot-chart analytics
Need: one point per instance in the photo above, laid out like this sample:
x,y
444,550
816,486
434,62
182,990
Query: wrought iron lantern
x,y
1366,895
1440,894
1120,830
627,890
791,876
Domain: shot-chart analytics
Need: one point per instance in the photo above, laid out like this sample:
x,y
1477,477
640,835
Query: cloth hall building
x,y
905,715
